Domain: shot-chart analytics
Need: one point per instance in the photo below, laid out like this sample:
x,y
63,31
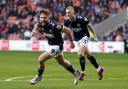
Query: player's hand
x,y
93,39
33,36
72,45
33,33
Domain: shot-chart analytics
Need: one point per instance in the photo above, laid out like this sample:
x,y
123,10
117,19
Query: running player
x,y
80,27
53,32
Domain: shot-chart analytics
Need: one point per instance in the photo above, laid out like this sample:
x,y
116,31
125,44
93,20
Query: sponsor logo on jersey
x,y
49,35
76,29
78,25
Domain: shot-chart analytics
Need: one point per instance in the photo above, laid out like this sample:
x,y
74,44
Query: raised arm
x,y
35,32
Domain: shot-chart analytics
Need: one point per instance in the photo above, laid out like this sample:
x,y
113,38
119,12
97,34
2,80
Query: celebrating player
x,y
53,32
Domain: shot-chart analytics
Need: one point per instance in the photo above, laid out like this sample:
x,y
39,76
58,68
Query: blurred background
x,y
109,17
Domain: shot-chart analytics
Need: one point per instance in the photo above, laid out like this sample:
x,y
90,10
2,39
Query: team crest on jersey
x,y
59,27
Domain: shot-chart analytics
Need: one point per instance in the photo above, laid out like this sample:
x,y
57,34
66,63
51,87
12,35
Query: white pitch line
x,y
21,77
13,78
42,80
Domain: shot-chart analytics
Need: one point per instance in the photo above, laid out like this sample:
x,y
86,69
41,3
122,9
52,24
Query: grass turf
x,y
21,64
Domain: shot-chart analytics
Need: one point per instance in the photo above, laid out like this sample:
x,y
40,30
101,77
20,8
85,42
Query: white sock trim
x,y
98,69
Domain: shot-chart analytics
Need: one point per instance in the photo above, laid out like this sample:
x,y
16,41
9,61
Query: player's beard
x,y
44,23
72,18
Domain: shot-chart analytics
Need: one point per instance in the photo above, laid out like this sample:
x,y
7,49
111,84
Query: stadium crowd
x,y
17,17
120,33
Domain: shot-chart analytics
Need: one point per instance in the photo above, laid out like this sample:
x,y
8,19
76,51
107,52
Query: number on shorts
x,y
84,40
54,51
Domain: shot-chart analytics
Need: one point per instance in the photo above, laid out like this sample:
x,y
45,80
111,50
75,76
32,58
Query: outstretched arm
x,y
35,32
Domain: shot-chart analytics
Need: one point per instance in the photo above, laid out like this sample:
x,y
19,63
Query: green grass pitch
x,y
17,68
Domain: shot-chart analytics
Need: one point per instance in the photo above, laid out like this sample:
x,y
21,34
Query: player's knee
x,y
80,55
40,60
61,62
89,56
64,63
67,62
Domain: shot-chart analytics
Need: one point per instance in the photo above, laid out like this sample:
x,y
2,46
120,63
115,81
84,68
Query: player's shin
x,y
93,61
75,74
71,69
40,71
82,63
41,68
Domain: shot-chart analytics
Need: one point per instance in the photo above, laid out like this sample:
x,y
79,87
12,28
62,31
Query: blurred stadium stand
x,y
17,17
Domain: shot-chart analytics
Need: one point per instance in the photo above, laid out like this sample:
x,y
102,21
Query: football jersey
x,y
53,32
79,27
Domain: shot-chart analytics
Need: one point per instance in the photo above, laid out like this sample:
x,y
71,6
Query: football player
x,y
53,32
81,29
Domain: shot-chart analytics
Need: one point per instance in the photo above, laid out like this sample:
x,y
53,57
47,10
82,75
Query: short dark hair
x,y
45,11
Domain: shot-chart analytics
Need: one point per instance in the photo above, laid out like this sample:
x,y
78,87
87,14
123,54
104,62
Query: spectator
x,y
19,10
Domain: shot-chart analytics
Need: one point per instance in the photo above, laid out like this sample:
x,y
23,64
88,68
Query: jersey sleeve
x,y
82,19
85,21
